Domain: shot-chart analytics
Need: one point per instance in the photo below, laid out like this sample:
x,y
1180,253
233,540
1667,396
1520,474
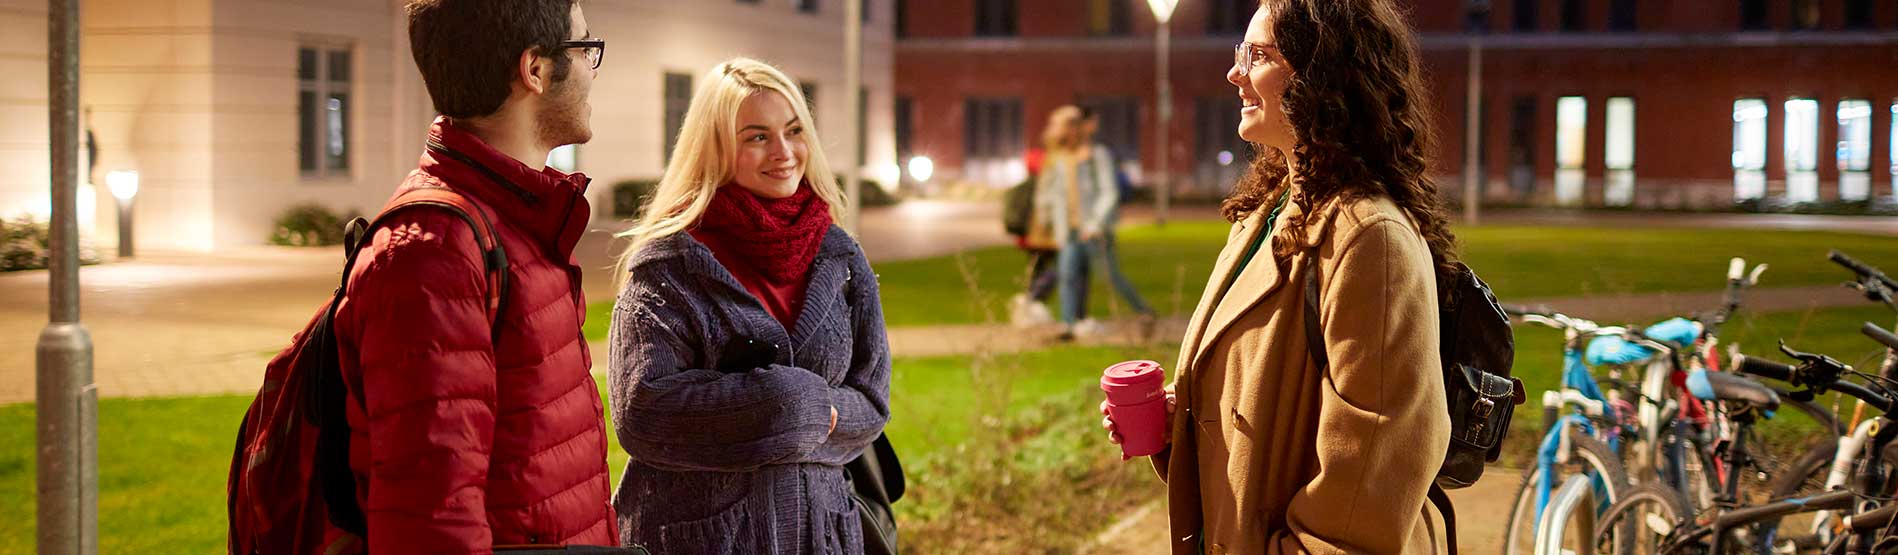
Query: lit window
x,y
1855,149
1619,155
1802,150
565,158
1571,140
1749,148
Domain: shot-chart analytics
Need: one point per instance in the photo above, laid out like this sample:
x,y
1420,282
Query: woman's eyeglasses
x,y
1247,55
595,49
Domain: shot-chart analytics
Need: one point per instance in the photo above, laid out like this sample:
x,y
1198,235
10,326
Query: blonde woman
x,y
748,351
1076,190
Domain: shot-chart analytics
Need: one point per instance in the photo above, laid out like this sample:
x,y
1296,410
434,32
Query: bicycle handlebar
x,y
1764,368
1801,376
1879,334
1862,269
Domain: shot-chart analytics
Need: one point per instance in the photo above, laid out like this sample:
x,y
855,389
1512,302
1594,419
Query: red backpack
x,y
291,489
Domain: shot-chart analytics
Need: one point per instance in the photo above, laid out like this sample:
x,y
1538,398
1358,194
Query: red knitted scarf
x,y
777,237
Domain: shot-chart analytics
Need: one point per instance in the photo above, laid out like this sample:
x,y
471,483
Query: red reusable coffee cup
x,y
1137,404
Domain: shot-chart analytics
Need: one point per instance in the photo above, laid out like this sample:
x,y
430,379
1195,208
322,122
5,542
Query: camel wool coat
x,y
1271,453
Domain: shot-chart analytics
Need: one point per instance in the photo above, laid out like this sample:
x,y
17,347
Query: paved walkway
x,y
1480,509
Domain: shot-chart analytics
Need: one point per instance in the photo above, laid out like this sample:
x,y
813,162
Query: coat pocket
x,y
725,533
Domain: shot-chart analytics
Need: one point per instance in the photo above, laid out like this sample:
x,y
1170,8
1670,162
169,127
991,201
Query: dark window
x,y
1219,155
810,96
1858,14
1476,16
1229,17
1526,15
323,111
993,137
995,18
865,10
902,18
1522,146
678,96
1805,14
1753,15
1109,18
807,6
1621,15
1574,15
905,129
1119,124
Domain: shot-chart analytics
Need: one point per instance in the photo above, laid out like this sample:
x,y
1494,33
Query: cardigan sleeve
x,y
1382,422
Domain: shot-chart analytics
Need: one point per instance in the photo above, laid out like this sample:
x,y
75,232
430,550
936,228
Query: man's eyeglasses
x,y
1247,55
595,49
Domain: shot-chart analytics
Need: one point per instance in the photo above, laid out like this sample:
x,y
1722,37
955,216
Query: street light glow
x,y
921,168
1162,9
124,184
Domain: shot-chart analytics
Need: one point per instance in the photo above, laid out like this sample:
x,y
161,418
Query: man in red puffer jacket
x,y
462,440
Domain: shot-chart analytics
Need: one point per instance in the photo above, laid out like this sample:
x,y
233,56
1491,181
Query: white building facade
x,y
232,111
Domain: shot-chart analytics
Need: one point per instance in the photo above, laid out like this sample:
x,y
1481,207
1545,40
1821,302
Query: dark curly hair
x,y
1359,118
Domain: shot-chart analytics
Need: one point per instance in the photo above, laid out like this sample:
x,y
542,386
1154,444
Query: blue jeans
x,y
1075,259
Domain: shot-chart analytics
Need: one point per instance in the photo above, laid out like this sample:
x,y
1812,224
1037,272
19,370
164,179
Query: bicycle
x,y
1655,519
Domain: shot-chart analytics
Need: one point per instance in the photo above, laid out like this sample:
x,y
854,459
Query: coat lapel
x,y
1259,278
1236,243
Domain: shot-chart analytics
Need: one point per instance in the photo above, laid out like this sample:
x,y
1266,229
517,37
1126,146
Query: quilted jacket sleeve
x,y
672,416
419,309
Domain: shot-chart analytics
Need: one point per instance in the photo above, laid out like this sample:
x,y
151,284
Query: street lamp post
x,y
1472,135
124,186
853,93
1163,14
66,401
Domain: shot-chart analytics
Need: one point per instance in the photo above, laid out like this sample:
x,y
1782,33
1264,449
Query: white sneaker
x,y
1019,312
1038,314
1089,328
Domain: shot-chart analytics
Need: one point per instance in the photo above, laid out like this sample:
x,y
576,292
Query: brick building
x,y
1645,103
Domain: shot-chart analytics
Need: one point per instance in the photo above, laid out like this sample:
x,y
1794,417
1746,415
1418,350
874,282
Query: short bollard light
x,y
124,186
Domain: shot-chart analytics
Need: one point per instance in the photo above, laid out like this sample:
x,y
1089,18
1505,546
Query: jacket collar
x,y
1259,278
548,205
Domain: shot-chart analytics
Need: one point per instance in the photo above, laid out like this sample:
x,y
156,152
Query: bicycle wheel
x,y
1642,522
1590,457
1805,476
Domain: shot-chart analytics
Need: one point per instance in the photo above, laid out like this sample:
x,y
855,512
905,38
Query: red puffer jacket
x,y
462,441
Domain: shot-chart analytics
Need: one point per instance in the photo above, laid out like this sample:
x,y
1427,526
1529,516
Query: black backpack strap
x,y
1441,499
1314,333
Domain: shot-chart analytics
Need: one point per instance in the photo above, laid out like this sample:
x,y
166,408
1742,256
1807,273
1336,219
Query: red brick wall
x,y
1683,95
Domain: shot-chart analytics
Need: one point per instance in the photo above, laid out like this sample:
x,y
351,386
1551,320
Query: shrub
x,y
631,195
25,244
309,225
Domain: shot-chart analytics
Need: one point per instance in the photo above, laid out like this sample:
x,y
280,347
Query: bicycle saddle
x,y
1725,386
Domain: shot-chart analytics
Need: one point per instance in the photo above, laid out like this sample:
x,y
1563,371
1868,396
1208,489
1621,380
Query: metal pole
x,y
1472,134
853,92
66,400
125,227
1165,179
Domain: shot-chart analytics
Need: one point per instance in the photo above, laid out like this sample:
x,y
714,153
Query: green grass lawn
x,y
163,462
1170,266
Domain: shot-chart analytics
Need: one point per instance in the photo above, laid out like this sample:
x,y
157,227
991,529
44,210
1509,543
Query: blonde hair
x,y
703,159
1059,133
